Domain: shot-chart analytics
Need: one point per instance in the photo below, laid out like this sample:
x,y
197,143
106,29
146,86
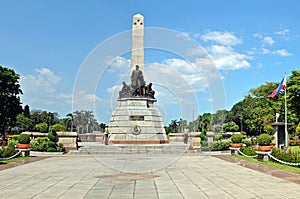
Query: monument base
x,y
137,121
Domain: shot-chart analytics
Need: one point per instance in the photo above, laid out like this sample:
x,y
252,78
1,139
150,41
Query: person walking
x,y
186,135
106,132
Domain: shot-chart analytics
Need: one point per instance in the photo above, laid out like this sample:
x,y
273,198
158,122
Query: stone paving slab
x,y
71,176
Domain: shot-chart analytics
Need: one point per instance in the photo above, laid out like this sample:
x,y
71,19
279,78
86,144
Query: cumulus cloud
x,y
282,52
222,38
265,40
222,52
226,58
282,32
117,64
41,89
83,100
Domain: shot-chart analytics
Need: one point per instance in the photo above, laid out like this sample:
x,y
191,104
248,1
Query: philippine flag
x,y
280,87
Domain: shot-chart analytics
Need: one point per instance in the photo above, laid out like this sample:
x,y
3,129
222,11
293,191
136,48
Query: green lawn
x,y
271,164
295,148
13,159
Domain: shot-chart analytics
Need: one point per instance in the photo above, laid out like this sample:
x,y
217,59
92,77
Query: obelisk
x,y
136,119
137,53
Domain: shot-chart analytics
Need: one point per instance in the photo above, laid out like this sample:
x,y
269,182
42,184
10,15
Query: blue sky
x,y
49,43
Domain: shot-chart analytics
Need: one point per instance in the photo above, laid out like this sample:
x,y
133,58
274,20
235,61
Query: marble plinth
x,y
137,121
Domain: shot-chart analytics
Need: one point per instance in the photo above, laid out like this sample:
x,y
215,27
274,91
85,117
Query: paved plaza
x,y
190,176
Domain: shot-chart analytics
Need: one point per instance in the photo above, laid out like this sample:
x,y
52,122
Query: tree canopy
x,y
10,104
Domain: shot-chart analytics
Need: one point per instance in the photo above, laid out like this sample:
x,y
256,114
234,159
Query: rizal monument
x,y
136,119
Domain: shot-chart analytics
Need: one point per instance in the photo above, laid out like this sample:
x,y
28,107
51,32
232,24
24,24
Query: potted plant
x,y
24,141
236,140
263,141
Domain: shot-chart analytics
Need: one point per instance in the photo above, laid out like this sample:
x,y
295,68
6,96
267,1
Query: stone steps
x,y
90,148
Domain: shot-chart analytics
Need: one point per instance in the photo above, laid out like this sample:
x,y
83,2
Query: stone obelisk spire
x,y
137,53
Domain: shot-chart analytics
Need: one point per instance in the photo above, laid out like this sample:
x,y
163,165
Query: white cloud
x,y
268,41
282,32
223,38
282,52
265,40
265,51
185,36
41,90
117,64
226,58
114,89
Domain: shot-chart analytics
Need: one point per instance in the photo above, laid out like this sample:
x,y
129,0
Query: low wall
x,y
91,137
178,137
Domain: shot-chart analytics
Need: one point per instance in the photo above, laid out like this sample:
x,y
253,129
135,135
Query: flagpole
x,y
285,117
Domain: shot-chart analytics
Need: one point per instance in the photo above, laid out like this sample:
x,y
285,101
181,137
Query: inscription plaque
x,y
136,118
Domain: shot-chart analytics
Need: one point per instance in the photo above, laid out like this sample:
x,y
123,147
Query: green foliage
x,y
221,145
14,137
39,144
60,147
268,129
247,142
294,142
298,129
51,144
42,127
51,136
230,127
7,152
58,128
24,139
51,149
248,150
24,123
10,105
218,137
287,156
264,139
236,138
203,137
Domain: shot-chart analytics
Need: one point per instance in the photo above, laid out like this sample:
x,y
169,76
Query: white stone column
x,y
137,54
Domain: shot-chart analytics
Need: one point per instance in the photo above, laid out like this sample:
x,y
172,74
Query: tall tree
x,y
10,105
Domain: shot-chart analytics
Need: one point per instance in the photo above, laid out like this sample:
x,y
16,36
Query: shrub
x,y
51,149
7,152
221,145
42,127
247,142
205,148
248,150
293,143
264,139
58,127
218,136
39,144
60,147
53,136
204,143
24,139
202,136
287,156
236,138
268,129
51,144
14,137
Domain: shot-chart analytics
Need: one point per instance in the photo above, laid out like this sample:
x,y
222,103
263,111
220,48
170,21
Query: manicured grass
x,y
295,148
271,164
13,159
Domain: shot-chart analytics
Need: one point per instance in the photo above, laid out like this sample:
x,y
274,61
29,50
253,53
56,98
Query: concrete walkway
x,y
83,176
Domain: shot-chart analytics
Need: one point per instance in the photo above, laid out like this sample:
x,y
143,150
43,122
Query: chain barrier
x,y
11,156
283,162
243,154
